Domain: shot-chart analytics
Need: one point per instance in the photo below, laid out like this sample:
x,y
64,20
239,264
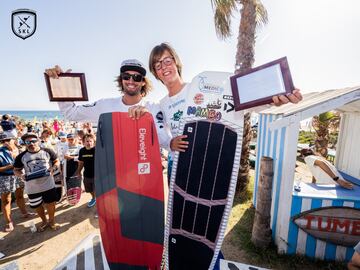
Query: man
x,y
134,86
36,166
8,181
354,264
323,171
87,161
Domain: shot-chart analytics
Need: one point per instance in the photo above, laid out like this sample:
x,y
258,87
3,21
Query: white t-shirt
x,y
91,113
174,109
321,176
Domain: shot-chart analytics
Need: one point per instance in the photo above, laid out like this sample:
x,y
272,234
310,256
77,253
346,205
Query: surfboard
x,y
204,177
129,191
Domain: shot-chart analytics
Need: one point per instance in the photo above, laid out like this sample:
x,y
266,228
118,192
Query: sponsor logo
x,y
177,103
228,107
198,99
23,23
189,129
160,119
216,104
338,225
173,240
202,112
142,145
90,105
177,115
144,168
228,97
206,87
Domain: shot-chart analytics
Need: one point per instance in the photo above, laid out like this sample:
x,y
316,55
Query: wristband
x,y
336,178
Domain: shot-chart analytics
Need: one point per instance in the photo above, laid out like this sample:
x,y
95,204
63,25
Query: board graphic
x,y
129,190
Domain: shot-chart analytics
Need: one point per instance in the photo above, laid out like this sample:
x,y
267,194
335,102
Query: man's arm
x,y
328,171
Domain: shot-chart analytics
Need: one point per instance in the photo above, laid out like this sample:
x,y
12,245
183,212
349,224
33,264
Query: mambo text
x,y
332,224
142,145
210,114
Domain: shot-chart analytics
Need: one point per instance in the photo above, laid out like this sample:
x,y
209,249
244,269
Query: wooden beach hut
x,y
318,221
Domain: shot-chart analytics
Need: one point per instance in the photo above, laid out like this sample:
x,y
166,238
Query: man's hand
x,y
135,112
295,97
55,71
178,144
345,184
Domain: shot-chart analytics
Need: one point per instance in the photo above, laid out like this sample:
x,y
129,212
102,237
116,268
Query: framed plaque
x,y
257,86
68,87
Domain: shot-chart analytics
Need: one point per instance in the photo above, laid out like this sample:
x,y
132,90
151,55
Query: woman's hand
x,y
178,144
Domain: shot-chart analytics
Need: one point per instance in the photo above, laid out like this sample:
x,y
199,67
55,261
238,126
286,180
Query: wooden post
x,y
261,232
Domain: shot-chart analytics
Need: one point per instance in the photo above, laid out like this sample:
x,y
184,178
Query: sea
x,y
35,115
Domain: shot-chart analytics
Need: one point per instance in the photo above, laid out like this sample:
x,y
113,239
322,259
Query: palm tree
x,y
323,124
253,15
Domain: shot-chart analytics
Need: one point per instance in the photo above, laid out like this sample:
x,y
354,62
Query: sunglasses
x,y
167,61
31,142
135,77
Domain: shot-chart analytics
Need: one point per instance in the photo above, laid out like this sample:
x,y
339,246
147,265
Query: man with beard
x,y
134,86
36,166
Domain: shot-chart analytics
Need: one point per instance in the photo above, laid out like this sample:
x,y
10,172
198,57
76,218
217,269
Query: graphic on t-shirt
x,y
160,119
177,115
176,103
216,104
36,169
89,105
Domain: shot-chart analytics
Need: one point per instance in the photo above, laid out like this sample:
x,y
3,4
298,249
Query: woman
x,y
8,181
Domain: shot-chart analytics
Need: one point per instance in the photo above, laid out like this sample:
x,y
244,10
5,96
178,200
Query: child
x,y
86,161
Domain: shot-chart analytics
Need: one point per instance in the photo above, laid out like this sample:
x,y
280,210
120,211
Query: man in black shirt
x,y
86,161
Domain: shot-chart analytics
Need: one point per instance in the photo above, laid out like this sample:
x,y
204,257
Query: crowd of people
x,y
37,158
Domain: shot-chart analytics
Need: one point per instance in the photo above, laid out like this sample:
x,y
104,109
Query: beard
x,y
132,93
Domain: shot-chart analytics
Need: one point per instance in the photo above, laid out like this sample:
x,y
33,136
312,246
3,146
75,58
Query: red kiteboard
x,y
129,191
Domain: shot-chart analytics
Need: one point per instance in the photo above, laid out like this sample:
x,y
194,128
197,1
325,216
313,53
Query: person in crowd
x,y
71,156
8,125
134,86
9,182
46,139
56,126
354,264
87,161
36,166
323,171
29,127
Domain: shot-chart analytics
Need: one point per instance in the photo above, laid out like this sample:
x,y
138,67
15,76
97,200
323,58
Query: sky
x,y
320,39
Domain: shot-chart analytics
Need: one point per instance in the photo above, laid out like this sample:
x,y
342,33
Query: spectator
x,y
354,264
86,161
36,166
8,125
323,171
8,181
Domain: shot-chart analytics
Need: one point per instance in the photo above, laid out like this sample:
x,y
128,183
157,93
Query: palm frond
x,y
223,10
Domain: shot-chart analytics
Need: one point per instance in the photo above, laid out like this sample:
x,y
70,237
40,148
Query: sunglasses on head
x,y
31,141
135,77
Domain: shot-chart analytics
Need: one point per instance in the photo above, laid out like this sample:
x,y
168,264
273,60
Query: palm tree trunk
x,y
244,61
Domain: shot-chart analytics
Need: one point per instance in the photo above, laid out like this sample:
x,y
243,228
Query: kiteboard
x,y
204,177
129,191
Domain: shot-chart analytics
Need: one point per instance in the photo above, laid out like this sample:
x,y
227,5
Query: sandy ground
x,y
44,250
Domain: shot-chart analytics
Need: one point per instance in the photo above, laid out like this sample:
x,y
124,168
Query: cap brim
x,y
141,70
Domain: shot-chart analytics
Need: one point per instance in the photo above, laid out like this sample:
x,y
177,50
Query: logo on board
x,y
144,168
23,23
338,225
210,88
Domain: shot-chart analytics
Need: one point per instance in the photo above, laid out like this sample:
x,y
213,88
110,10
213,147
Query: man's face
x,y
130,84
32,144
166,68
